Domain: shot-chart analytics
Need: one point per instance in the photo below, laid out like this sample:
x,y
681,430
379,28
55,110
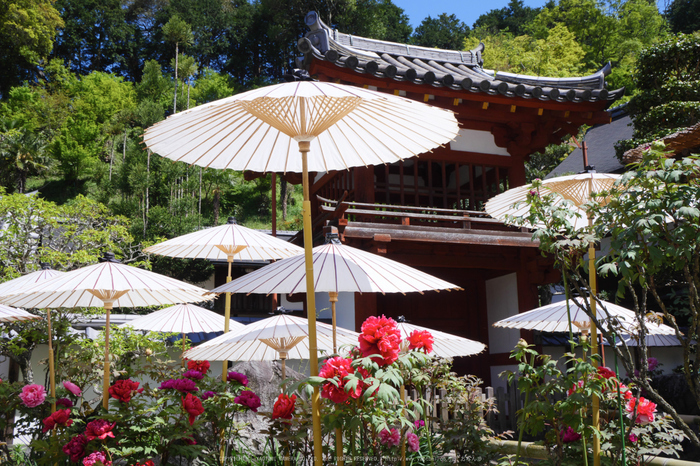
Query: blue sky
x,y
466,10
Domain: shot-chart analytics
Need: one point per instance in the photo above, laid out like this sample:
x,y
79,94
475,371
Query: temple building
x,y
427,211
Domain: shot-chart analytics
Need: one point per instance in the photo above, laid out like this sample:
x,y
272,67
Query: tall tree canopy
x,y
443,32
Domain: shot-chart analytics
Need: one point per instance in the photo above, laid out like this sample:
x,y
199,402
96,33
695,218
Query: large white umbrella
x,y
278,337
445,345
337,268
230,241
29,280
576,189
11,314
107,284
346,127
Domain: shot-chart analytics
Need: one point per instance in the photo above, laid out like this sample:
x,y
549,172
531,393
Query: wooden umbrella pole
x,y
304,147
333,298
227,315
595,401
183,350
52,370
105,381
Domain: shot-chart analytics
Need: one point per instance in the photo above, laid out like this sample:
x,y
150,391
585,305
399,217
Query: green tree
x,y
683,16
443,32
27,32
21,154
668,77
511,18
177,32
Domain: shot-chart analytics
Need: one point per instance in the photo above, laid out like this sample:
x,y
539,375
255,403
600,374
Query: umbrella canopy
x,y
263,340
574,188
231,239
445,345
28,280
256,130
337,268
182,318
11,314
91,286
553,318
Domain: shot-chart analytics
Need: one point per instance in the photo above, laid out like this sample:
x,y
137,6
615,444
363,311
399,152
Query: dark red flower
x,y
145,463
59,418
100,429
248,398
284,406
65,402
75,448
421,340
238,377
606,372
338,368
193,374
199,366
193,406
123,390
380,336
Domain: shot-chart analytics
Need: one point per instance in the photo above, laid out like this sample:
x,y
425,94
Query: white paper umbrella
x,y
107,284
29,280
11,314
182,318
553,318
337,268
258,130
279,337
226,241
445,345
574,188
342,126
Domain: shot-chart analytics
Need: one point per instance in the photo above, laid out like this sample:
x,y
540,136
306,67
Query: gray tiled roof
x,y
453,69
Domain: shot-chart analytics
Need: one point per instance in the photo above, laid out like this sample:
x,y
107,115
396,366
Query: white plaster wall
x,y
344,309
502,302
470,140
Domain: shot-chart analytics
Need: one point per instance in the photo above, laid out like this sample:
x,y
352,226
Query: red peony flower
x,y
569,435
248,398
606,372
123,390
645,410
58,418
100,429
75,448
576,386
421,340
199,366
338,368
284,407
193,406
380,336
390,438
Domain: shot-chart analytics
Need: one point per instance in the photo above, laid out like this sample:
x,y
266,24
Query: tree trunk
x,y
200,196
111,159
284,195
24,361
177,52
124,148
217,200
148,183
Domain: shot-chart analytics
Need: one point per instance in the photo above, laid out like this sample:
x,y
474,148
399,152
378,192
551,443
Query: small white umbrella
x,y
182,318
230,241
278,337
107,284
11,314
29,280
445,345
553,318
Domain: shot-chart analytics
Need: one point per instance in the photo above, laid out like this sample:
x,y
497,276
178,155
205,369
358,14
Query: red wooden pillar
x,y
364,184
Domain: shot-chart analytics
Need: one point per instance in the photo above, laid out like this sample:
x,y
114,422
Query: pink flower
x,y
569,435
380,336
97,457
32,395
645,410
65,402
390,438
632,438
413,442
193,374
238,377
421,340
73,388
576,386
652,364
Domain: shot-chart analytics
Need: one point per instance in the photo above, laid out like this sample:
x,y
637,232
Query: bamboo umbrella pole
x,y
333,298
52,370
230,251
304,147
595,402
